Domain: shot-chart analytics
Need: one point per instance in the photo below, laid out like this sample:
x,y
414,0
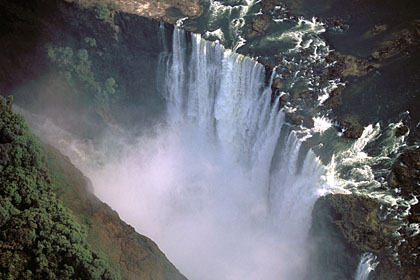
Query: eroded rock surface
x,y
154,9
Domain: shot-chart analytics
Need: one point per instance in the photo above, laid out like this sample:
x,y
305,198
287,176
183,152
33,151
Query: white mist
x,y
223,186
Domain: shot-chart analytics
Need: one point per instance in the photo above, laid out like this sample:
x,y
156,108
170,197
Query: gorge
x,y
238,163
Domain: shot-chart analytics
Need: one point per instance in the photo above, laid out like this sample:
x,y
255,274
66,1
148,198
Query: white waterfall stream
x,y
248,186
366,265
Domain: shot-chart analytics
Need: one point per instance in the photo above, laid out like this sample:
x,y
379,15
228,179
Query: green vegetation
x,y
104,10
76,68
38,237
90,41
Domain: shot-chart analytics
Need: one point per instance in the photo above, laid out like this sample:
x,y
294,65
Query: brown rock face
x,y
402,130
356,218
344,226
261,23
406,173
154,9
135,256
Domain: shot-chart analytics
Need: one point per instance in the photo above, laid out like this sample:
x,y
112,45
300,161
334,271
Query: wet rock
x,y
353,132
396,44
277,84
352,126
294,118
267,5
401,131
357,219
376,29
353,66
335,98
406,173
308,121
406,266
346,225
283,99
343,227
405,176
261,23
347,65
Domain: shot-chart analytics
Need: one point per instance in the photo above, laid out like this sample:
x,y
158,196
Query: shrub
x,y
38,237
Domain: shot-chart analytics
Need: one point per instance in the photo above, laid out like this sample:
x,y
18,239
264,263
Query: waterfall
x,y
366,265
263,183
224,185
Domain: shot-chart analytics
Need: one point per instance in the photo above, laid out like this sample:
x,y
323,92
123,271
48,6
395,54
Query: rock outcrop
x,y
168,10
406,265
346,226
343,228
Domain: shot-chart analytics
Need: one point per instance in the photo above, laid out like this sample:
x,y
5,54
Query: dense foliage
x,y
38,237
104,10
75,66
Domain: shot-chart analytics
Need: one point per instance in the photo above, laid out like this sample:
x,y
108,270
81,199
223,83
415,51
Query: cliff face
x,y
52,227
134,255
346,226
168,10
60,55
103,45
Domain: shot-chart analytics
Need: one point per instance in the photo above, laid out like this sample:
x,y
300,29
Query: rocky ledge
x,y
168,10
344,226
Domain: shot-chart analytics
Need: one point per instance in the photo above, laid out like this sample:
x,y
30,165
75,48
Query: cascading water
x,y
366,265
250,187
225,186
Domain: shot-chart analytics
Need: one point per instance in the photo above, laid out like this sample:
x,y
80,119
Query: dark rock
x,y
406,173
396,44
277,84
308,121
283,99
294,118
261,23
405,176
267,5
402,130
352,126
335,98
343,227
353,132
357,219
376,29
406,266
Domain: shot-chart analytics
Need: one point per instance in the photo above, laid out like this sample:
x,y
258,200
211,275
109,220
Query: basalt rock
x,y
375,30
169,10
396,43
268,5
352,126
348,65
343,227
401,131
406,173
261,23
335,98
356,217
277,84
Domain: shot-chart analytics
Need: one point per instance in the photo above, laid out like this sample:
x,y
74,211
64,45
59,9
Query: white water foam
x,y
366,265
225,188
